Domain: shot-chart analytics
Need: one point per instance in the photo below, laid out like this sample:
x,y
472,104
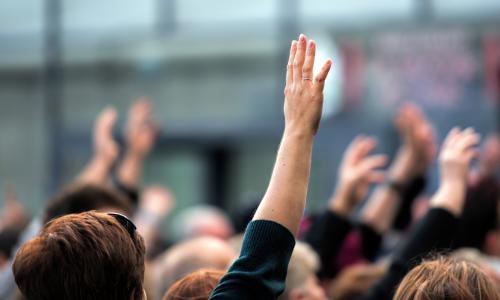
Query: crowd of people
x,y
100,236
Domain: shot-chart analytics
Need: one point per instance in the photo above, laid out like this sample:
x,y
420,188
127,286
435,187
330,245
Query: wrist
x,y
341,202
450,196
102,161
133,155
298,132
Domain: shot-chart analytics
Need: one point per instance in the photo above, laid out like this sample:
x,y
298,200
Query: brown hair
x,y
81,256
195,286
447,278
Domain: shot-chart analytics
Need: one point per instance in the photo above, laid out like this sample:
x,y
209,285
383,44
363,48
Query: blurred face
x,y
311,290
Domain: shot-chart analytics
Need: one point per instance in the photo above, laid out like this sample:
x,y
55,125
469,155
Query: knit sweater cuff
x,y
263,238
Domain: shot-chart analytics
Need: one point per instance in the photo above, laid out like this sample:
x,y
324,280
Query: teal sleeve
x,y
260,271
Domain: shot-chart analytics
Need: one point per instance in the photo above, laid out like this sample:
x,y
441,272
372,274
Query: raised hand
x,y
458,150
303,91
285,197
105,147
419,147
140,130
456,155
357,172
140,135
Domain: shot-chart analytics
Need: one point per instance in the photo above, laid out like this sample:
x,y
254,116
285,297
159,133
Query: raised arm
x,y
105,150
394,198
358,170
140,134
285,198
436,230
260,271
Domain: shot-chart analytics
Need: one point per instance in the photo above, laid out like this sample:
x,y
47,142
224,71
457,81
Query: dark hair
x,y
78,198
195,286
447,279
81,256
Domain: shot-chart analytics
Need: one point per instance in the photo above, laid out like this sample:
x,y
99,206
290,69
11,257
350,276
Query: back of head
x,y
201,220
301,280
447,279
189,256
355,281
82,256
78,198
195,286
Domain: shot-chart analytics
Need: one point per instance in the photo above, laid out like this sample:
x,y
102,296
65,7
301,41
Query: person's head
x,y
201,220
447,279
195,286
301,280
78,198
355,281
82,256
189,256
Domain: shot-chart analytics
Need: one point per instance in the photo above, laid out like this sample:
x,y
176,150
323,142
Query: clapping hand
x,y
358,170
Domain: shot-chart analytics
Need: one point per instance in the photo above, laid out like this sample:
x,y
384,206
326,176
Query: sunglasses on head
x,y
125,222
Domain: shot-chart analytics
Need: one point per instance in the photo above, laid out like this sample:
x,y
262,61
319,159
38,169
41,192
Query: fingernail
x,y
312,44
294,43
302,38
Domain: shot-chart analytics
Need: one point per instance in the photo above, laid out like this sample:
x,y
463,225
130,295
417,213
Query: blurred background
x,y
214,71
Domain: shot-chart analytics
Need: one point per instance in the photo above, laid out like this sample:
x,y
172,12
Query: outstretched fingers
x,y
298,62
307,70
289,66
319,80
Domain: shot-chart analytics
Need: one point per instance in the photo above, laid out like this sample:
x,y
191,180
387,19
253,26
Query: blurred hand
x,y
157,200
140,130
458,150
303,92
357,172
419,146
105,147
13,213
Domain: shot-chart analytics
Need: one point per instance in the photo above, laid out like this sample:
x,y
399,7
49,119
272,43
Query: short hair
x,y
81,256
304,262
446,278
78,198
354,281
189,256
195,286
201,220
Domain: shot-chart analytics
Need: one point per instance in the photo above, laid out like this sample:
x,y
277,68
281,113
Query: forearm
x,y
285,197
385,203
381,209
340,202
96,172
130,170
